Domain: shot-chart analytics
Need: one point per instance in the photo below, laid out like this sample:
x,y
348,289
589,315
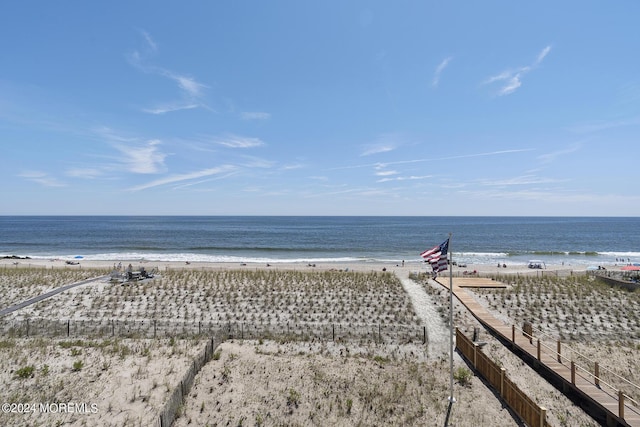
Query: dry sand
x,y
101,382
302,266
274,383
328,384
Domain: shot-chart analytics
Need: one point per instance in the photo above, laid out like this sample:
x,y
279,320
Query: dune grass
x,y
258,296
19,283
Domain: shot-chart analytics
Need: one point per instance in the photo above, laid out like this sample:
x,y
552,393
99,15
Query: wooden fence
x,y
529,411
302,331
582,366
173,405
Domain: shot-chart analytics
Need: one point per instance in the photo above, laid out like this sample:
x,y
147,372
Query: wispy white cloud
x,y
172,179
191,90
382,148
86,173
42,178
381,165
436,76
549,157
251,162
382,144
193,183
153,46
236,141
168,108
255,115
405,178
386,173
292,166
217,143
110,135
519,180
143,158
188,84
511,80
542,55
136,154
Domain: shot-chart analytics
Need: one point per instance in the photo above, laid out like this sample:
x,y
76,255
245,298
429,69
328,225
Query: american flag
x,y
437,256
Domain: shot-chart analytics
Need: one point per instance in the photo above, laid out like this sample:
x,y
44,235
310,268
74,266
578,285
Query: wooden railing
x,y
530,412
581,370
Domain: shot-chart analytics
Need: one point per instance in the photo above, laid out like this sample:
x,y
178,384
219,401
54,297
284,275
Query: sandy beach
x,y
409,265
231,389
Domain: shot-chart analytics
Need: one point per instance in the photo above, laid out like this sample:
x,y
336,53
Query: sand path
x,y
38,298
425,308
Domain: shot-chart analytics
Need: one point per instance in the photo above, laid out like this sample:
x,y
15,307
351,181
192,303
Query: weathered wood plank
x,y
602,398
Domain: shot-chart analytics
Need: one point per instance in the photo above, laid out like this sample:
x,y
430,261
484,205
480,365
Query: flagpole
x,y
451,398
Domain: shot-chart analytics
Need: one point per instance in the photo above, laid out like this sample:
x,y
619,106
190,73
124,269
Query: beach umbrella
x,y
78,257
630,268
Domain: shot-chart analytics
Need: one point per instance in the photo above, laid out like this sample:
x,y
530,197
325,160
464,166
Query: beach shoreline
x,y
361,266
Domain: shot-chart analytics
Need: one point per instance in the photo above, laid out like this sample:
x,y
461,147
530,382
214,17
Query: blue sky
x,y
320,108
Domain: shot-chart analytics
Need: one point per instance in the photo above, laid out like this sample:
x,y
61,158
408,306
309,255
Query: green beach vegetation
x,y
254,296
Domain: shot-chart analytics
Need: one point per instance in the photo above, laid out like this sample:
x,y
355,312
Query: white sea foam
x,y
470,258
193,257
621,254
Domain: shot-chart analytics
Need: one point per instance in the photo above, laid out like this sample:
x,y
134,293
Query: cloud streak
x,y
520,180
405,178
191,90
434,159
511,80
153,47
42,178
386,173
173,179
236,141
382,144
550,157
377,149
85,173
436,76
143,157
168,108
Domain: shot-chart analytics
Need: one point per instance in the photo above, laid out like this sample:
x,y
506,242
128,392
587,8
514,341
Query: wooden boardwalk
x,y
49,294
601,404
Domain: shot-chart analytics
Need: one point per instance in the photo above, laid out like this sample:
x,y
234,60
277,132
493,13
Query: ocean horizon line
x,y
300,216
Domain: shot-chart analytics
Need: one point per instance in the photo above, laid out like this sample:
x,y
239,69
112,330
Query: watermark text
x,y
50,408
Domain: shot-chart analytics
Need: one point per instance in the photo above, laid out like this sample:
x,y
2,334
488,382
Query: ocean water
x,y
576,241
